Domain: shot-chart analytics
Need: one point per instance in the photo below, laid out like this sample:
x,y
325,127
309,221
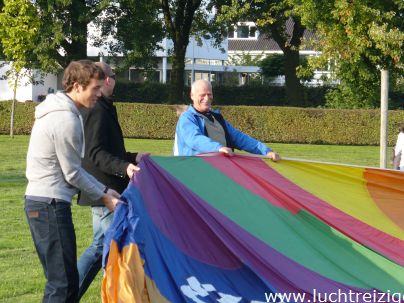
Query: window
x,y
201,75
202,61
208,61
253,30
242,31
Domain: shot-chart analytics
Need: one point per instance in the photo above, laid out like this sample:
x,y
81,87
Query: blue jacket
x,y
191,137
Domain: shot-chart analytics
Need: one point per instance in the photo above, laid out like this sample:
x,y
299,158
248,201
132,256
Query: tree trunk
x,y
76,45
176,95
290,49
13,105
179,27
294,89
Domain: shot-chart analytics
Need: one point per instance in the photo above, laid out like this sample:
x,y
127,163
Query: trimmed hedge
x,y
268,124
265,95
23,117
259,95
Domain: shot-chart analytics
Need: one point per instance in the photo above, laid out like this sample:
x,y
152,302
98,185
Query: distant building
x,y
245,39
26,90
202,62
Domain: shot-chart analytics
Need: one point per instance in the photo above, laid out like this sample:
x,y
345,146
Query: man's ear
x,y
76,87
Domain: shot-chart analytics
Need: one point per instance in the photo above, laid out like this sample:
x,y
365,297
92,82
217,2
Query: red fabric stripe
x,y
256,176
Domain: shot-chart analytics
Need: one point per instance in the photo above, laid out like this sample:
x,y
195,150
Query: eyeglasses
x,y
112,76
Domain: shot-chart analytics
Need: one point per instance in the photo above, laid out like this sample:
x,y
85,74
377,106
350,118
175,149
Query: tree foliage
x,y
357,39
271,17
183,18
19,25
132,29
246,59
273,66
1,46
139,26
63,29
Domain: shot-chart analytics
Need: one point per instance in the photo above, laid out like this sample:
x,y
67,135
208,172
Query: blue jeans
x,y
53,233
90,261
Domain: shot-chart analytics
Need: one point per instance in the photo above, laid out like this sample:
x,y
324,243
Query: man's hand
x,y
139,156
131,169
225,150
113,193
110,201
274,156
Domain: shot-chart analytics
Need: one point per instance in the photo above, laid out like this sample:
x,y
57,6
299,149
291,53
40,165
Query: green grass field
x,y
21,276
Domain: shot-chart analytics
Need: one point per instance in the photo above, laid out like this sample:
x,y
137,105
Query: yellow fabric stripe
x,y
343,187
124,279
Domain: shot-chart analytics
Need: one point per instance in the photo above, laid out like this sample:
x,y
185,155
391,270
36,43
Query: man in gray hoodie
x,y
55,175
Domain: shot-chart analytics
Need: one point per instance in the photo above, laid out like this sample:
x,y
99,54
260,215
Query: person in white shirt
x,y
398,160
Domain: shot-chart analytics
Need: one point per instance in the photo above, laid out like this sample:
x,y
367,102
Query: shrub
x,y
148,92
23,117
157,93
268,124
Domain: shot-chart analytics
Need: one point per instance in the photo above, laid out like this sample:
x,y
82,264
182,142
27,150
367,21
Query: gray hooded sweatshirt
x,y
55,151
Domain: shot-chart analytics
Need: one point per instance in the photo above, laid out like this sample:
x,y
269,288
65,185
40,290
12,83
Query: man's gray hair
x,y
196,83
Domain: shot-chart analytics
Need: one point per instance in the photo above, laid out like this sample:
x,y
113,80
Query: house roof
x,y
262,43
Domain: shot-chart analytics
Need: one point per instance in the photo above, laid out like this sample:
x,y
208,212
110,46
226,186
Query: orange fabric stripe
x,y
124,278
387,190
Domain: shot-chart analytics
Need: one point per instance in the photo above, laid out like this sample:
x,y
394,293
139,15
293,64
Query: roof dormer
x,y
244,30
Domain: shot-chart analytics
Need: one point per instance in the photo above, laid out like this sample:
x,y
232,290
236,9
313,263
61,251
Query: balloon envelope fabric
x,y
245,229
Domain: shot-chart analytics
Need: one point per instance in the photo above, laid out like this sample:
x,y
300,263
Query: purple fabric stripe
x,y
168,204
207,235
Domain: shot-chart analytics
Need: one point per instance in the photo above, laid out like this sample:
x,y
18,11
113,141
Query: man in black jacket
x,y
107,160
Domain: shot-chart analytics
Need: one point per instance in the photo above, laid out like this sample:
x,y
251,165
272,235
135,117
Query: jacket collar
x,y
195,112
106,100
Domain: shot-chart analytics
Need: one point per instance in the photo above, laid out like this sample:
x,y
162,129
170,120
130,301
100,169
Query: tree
x,y
63,28
183,18
246,59
19,25
1,47
273,66
357,39
177,20
271,17
134,29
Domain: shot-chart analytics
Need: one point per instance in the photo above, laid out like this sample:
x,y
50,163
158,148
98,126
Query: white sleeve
x,y
68,140
399,144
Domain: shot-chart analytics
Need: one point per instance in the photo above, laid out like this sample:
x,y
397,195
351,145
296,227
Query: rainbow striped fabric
x,y
245,229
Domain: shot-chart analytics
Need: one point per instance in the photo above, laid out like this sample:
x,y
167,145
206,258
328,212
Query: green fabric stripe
x,y
302,237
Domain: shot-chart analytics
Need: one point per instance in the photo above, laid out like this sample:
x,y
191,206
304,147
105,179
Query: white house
x,y
245,39
202,61
26,90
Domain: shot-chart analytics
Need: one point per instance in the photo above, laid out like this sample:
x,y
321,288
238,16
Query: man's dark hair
x,y
81,72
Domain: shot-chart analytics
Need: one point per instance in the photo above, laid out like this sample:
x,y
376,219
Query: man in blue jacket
x,y
201,129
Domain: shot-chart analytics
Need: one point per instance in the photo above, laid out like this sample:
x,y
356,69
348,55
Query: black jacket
x,y
105,155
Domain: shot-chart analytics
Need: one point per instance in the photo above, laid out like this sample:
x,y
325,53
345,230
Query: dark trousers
x,y
53,233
